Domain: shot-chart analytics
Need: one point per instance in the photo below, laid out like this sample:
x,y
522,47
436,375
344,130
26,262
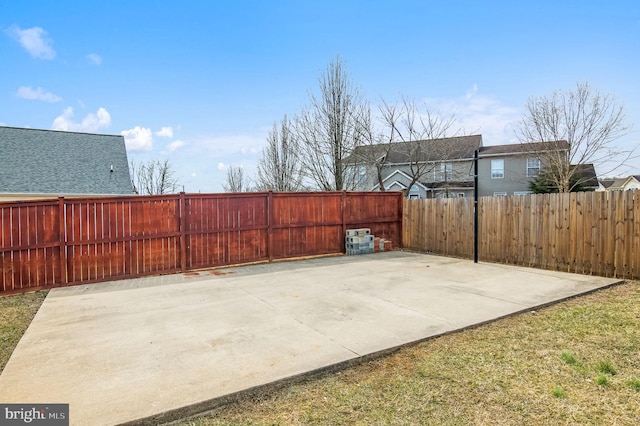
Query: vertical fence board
x,y
591,232
82,240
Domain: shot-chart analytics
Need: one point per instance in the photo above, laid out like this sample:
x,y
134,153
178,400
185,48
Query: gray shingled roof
x,y
53,162
523,148
587,173
453,148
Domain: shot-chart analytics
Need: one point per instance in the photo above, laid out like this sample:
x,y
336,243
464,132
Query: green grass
x,y
634,384
605,367
602,380
543,368
558,392
16,313
570,359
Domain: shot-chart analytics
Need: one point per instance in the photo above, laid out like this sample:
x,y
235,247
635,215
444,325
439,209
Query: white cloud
x,y
230,145
165,132
138,139
222,166
37,94
91,123
34,40
95,58
175,145
250,150
479,113
194,174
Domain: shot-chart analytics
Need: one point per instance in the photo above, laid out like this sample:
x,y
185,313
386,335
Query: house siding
x,y
515,176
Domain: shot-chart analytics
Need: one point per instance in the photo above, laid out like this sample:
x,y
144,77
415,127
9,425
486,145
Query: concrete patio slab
x,y
153,349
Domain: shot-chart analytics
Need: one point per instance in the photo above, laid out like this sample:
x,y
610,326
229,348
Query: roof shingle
x,y
56,162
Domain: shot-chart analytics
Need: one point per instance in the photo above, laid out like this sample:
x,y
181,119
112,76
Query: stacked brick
x,y
360,241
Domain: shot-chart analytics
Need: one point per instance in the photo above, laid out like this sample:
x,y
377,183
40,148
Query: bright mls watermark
x,y
34,414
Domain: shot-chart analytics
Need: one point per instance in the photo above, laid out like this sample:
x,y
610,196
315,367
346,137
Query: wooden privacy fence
x,y
67,241
586,232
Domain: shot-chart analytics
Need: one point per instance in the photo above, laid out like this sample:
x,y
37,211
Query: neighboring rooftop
x,y
450,149
453,148
620,183
524,148
36,161
587,173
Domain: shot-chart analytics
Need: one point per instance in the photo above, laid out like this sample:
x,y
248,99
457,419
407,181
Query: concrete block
x,y
352,246
363,232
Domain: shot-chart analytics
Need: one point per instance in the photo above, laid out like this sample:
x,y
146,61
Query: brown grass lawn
x,y
16,313
577,362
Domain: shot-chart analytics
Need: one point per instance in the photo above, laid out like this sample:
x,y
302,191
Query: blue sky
x,y
201,82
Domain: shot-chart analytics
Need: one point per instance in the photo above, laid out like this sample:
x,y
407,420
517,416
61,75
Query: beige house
x,y
630,183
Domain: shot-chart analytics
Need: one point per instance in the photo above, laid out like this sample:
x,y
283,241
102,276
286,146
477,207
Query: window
x,y
533,167
446,169
414,196
449,195
499,194
522,193
497,169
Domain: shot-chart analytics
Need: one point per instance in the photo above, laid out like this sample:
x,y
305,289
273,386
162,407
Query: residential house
x,y
447,168
629,183
424,169
38,163
508,169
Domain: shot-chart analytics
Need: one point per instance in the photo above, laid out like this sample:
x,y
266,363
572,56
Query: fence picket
x,y
590,232
49,243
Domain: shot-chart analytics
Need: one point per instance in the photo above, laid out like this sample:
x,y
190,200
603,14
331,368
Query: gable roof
x,y
524,148
403,175
619,183
453,148
587,175
35,161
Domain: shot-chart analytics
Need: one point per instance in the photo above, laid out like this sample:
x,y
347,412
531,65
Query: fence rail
x,y
63,241
594,233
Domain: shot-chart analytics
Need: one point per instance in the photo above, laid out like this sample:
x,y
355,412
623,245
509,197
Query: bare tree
x,y
585,119
328,130
415,138
236,180
280,169
373,151
153,178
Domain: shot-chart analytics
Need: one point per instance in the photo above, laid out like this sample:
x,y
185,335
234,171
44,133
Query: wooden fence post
x,y
401,205
183,231
270,225
343,208
62,226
